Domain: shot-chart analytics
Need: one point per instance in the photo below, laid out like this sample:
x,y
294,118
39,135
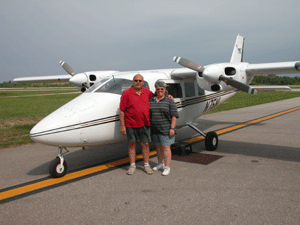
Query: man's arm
x,y
122,123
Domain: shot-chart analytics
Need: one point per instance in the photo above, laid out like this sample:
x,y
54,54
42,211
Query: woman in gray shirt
x,y
163,116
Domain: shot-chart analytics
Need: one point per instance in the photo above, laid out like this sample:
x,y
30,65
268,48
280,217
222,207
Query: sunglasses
x,y
159,89
138,81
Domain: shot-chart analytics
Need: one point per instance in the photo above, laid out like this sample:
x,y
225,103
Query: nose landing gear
x,y
58,167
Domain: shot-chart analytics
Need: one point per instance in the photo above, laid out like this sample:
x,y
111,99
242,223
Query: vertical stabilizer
x,y
237,54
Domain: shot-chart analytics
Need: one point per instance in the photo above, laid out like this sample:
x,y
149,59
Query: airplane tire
x,y
211,141
56,170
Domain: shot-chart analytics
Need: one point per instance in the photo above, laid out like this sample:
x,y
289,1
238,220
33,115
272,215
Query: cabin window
x,y
174,90
189,89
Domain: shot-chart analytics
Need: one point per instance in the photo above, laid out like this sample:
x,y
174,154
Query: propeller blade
x,y
238,85
189,64
67,68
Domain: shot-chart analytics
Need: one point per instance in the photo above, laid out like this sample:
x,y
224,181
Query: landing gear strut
x,y
211,138
58,167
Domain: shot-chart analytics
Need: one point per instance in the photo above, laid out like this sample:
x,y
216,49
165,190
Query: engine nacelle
x,y
208,86
83,81
209,79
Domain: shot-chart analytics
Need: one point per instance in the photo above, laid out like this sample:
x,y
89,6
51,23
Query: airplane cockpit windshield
x,y
114,86
91,89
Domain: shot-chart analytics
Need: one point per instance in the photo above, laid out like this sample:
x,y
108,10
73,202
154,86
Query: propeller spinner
x,y
211,77
79,80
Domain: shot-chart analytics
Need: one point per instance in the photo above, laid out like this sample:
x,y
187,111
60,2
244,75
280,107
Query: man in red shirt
x,y
135,121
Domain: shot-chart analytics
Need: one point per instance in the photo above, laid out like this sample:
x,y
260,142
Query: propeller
x,y
209,77
238,85
79,80
67,68
189,64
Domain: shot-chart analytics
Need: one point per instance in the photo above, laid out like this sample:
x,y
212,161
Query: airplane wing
x,y
183,73
43,78
273,68
271,88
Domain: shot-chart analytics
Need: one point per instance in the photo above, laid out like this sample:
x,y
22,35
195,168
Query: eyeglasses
x,y
159,89
138,81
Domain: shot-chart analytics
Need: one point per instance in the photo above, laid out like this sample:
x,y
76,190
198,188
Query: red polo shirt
x,y
136,107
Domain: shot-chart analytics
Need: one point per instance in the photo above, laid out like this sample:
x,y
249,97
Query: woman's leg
x,y
160,153
167,155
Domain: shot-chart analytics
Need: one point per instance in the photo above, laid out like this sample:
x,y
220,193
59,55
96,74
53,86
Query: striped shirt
x,y
161,114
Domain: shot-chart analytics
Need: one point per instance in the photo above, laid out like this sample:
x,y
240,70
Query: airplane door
x,y
174,88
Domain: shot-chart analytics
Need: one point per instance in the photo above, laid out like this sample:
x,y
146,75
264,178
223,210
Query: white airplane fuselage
x,y
93,117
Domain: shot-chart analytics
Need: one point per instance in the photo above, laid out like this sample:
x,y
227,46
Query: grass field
x,y
20,114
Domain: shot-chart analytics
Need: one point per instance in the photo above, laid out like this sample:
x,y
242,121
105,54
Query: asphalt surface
x,y
255,182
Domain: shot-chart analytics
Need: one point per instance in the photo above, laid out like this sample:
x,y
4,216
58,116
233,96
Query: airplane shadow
x,y
78,159
93,156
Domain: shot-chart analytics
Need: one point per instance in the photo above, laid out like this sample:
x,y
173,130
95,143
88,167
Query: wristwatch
x,y
172,128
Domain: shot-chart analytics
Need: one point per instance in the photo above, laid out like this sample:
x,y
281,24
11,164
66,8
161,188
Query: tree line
x,y
264,80
10,84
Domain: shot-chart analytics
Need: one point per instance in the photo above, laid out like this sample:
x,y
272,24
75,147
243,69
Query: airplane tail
x,y
237,54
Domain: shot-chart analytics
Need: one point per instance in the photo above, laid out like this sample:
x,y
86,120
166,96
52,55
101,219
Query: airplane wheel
x,y
211,141
56,170
177,149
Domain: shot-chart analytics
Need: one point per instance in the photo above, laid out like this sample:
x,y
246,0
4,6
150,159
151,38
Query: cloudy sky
x,y
134,34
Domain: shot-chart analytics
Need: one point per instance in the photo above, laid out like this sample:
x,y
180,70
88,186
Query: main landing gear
x,y
211,142
58,167
211,138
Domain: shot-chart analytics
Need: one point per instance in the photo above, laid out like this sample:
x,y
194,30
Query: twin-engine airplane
x,y
93,117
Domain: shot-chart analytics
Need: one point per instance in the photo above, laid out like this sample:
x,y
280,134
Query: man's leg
x,y
146,152
131,153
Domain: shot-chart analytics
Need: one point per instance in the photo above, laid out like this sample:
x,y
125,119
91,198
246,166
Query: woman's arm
x,y
172,128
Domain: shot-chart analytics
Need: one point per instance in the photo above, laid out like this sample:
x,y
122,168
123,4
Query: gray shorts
x,y
163,140
141,134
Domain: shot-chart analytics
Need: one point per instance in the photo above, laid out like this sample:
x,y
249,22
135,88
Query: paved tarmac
x,y
255,182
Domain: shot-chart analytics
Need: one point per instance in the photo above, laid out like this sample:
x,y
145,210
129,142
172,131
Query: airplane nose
x,y
58,128
90,119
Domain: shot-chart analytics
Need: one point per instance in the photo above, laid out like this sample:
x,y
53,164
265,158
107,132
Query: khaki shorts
x,y
141,134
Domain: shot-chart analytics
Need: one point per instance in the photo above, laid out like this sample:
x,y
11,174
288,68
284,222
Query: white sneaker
x,y
158,167
166,171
